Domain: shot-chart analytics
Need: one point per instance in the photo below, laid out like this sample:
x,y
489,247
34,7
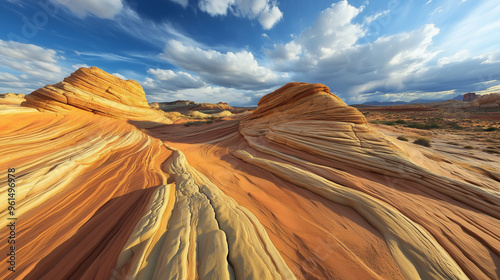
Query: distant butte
x,y
186,105
302,187
470,96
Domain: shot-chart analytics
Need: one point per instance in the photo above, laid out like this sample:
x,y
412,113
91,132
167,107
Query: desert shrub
x,y
429,125
375,121
489,140
436,119
453,143
455,126
210,121
188,123
400,122
423,141
491,128
491,151
468,147
402,138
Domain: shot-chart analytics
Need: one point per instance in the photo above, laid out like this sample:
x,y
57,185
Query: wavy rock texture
x,y
93,90
302,188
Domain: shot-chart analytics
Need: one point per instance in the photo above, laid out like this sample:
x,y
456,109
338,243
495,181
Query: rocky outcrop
x,y
307,136
11,95
212,106
185,105
11,98
470,96
491,100
174,105
93,90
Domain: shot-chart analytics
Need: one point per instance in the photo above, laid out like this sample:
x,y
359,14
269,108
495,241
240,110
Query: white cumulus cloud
x,y
26,67
30,59
269,17
170,80
230,69
266,11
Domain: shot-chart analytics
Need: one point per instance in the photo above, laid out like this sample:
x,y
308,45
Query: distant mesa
x,y
11,98
94,90
471,100
186,105
168,106
470,96
11,95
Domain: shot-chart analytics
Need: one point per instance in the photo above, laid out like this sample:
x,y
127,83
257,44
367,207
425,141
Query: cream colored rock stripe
x,y
208,235
417,253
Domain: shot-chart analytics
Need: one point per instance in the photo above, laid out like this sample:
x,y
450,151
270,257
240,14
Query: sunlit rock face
x,y
301,188
93,90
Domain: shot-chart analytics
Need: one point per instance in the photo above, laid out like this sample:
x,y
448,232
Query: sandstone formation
x,y
485,101
470,96
174,105
211,106
11,98
301,188
12,95
491,100
93,90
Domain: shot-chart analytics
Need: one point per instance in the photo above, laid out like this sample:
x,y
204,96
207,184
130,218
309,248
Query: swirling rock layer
x,y
93,90
302,188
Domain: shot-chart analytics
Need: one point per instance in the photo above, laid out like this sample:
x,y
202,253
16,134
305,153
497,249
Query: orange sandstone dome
x,y
96,91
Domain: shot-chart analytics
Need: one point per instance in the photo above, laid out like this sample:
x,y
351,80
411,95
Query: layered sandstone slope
x,y
316,155
97,198
93,90
302,188
308,118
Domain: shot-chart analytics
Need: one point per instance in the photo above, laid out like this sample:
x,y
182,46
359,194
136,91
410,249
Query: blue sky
x,y
238,50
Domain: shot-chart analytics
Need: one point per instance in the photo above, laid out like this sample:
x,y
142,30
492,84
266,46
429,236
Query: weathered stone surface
x,y
11,98
93,90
